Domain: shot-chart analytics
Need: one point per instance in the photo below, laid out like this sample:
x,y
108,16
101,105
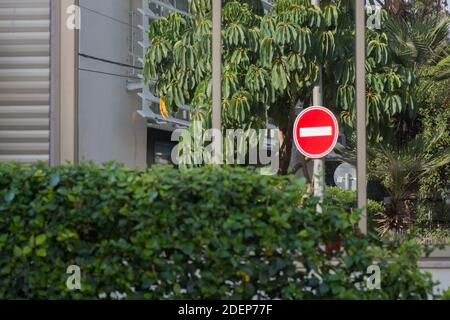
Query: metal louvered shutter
x,y
24,80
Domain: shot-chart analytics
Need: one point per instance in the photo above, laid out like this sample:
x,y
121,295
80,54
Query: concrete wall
x,y
108,126
438,264
440,275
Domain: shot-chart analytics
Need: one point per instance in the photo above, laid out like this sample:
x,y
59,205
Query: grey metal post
x,y
217,76
361,131
347,182
319,164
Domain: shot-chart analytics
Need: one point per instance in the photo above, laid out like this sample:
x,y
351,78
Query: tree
x,y
433,98
418,39
271,63
400,170
255,5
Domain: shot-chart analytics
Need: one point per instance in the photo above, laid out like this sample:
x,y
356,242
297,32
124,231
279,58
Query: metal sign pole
x,y
319,164
361,131
217,76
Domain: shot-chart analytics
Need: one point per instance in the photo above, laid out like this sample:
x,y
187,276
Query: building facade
x,y
71,87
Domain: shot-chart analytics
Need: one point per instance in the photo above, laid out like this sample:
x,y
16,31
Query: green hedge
x,y
198,234
347,200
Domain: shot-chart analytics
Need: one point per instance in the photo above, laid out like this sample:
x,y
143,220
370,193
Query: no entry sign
x,y
316,132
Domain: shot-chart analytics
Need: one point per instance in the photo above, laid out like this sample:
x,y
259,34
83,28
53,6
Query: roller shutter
x,y
24,80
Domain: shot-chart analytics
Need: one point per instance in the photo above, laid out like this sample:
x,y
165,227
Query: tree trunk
x,y
288,139
400,214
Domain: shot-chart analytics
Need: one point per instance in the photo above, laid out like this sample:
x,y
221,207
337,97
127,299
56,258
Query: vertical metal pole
x,y
217,75
146,105
55,155
319,164
347,182
361,134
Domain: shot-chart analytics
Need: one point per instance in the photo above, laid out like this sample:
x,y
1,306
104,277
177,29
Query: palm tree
x,y
420,40
400,169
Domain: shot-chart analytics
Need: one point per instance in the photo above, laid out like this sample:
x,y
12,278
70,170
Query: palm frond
x,y
418,41
400,41
400,168
443,67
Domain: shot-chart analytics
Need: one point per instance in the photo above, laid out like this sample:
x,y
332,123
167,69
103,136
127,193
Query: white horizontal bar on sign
x,y
316,132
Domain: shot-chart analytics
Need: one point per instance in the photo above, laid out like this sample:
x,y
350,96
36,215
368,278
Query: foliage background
x,y
271,64
205,233
434,113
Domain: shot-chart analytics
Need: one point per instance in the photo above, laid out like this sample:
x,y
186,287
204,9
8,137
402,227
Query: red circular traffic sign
x,y
316,132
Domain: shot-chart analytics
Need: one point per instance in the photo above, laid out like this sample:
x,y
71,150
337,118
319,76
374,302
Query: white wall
x,y
438,264
442,276
108,126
